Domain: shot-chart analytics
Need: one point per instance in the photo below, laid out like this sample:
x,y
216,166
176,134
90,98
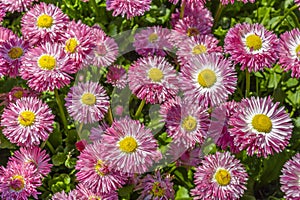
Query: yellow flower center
x,y
88,99
223,177
153,37
94,198
26,118
128,144
46,62
192,32
207,78
262,123
44,21
101,169
253,42
18,94
298,51
15,52
71,45
17,183
199,49
157,190
189,123
155,74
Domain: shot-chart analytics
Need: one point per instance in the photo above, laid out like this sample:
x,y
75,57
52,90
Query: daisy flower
x,y
83,193
87,102
130,8
15,94
6,34
220,176
289,51
251,46
94,172
153,79
17,5
129,146
185,120
290,178
156,187
27,121
208,79
261,127
17,182
72,195
117,76
226,2
2,11
12,51
152,41
46,67
44,22
35,157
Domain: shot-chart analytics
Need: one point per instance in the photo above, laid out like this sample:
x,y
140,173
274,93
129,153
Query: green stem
x,y
80,128
94,7
218,14
284,16
61,109
110,117
49,145
182,8
247,93
140,108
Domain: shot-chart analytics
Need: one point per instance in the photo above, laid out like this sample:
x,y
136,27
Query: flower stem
x,y
247,83
140,108
109,116
218,14
284,16
182,8
61,110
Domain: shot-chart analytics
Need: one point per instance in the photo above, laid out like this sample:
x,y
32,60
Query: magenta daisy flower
x,y
12,51
17,5
2,11
46,67
152,41
208,79
35,157
226,2
15,94
220,176
153,79
156,187
290,178
87,102
44,22
17,182
289,51
106,50
117,76
185,120
27,121
94,172
251,46
72,195
6,34
83,193
261,127
130,8
129,146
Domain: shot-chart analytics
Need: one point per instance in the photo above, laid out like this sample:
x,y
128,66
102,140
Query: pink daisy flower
x,y
2,11
290,178
27,121
12,52
251,46
83,193
185,121
33,156
129,146
117,76
208,79
289,51
152,41
46,67
87,102
15,94
156,187
106,50
72,195
44,22
153,79
17,182
94,172
129,8
220,176
17,5
226,2
261,127
6,34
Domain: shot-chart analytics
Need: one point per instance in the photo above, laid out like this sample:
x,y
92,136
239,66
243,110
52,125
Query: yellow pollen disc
x,y
156,190
94,198
71,45
253,42
155,74
298,51
207,78
18,94
44,21
15,52
88,99
152,37
99,168
192,32
189,123
128,144
199,49
17,183
262,123
47,62
26,118
223,177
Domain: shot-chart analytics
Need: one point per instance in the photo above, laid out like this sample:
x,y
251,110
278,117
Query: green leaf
x,y
59,159
125,191
182,194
